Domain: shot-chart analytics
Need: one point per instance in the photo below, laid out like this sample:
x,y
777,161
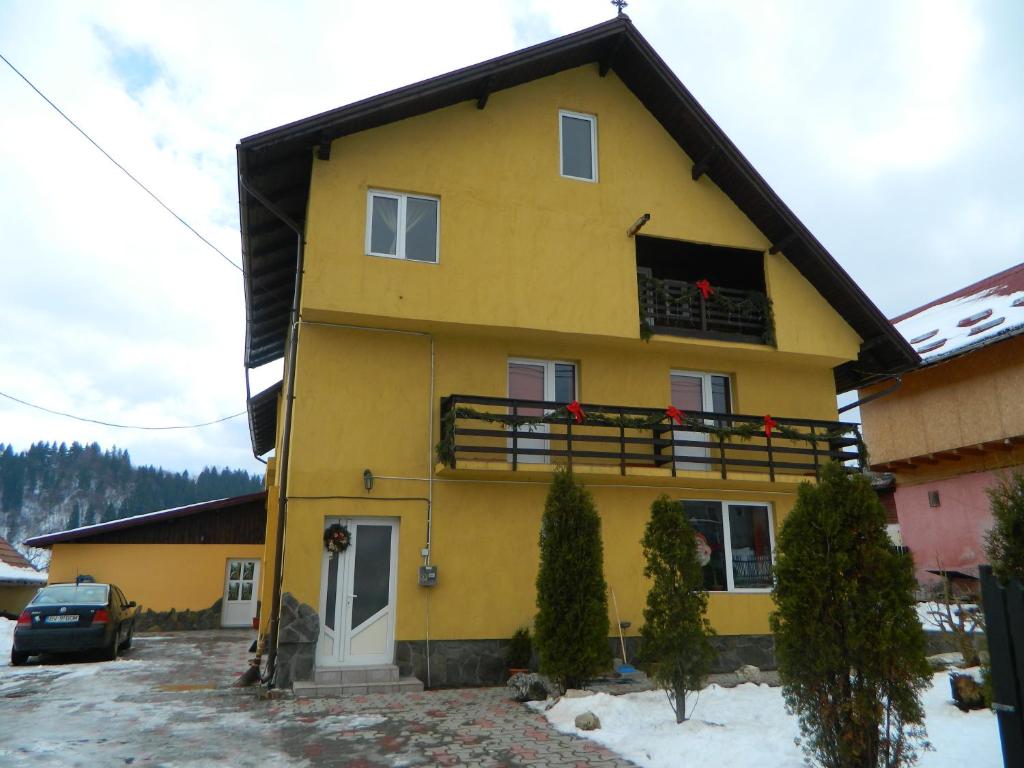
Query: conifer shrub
x,y
1005,542
676,634
571,628
848,642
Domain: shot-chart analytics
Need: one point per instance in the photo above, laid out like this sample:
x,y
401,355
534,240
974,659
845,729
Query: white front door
x,y
241,592
357,595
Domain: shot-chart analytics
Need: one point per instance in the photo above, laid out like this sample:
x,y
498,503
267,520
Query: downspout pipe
x,y
282,478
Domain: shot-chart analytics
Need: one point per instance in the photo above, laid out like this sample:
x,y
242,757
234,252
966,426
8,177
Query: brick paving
x,y
168,703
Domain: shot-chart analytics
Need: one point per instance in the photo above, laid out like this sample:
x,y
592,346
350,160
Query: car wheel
x,y
18,658
128,640
110,652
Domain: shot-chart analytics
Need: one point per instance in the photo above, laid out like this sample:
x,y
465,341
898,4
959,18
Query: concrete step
x,y
366,675
314,690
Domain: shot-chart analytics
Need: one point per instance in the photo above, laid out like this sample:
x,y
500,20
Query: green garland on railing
x,y
752,305
445,448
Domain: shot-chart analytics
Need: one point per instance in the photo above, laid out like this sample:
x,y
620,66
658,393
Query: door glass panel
x,y
688,393
248,569
233,590
721,401
420,229
565,382
526,382
247,590
751,547
384,226
235,570
371,578
706,519
331,603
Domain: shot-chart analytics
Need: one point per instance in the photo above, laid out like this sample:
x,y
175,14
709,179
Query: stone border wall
x,y
482,662
176,621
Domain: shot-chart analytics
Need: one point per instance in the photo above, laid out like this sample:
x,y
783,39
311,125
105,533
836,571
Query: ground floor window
x,y
735,542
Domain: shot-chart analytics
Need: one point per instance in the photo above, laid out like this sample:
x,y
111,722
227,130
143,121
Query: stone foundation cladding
x,y
482,662
296,645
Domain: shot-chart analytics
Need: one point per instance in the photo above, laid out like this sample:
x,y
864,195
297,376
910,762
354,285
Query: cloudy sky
x,y
893,129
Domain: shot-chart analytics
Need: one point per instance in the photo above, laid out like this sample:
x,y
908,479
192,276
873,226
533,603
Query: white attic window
x,y
577,140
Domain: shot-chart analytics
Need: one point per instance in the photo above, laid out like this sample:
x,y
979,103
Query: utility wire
x,y
118,426
126,172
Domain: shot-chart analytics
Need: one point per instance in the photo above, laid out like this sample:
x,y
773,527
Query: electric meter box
x,y
428,575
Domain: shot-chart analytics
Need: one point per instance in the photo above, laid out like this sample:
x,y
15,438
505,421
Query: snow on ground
x,y
749,723
6,640
932,623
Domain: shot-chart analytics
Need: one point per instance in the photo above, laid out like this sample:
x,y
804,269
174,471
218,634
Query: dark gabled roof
x,y
90,531
262,409
277,165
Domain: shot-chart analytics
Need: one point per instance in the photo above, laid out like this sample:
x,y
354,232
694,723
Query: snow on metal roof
x,y
971,317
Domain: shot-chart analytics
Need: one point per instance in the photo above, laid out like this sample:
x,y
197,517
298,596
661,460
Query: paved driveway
x,y
167,702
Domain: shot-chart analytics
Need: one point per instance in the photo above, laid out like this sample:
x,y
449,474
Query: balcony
x,y
679,308
504,434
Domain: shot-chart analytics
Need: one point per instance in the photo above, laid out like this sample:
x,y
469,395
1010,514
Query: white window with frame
x,y
735,542
577,141
697,391
401,226
546,380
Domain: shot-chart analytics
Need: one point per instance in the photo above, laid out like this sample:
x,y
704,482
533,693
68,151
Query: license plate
x,y
65,619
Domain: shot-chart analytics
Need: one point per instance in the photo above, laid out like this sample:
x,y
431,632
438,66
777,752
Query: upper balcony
x,y
704,291
503,434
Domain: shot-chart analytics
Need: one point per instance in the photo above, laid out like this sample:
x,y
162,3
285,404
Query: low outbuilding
x,y
191,567
19,580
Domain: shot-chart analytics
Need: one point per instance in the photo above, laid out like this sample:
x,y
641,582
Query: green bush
x,y
849,646
571,628
676,634
520,649
1005,542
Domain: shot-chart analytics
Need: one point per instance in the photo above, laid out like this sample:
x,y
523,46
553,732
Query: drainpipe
x,y
282,498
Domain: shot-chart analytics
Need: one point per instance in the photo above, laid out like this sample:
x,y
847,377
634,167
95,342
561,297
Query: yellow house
x,y
551,258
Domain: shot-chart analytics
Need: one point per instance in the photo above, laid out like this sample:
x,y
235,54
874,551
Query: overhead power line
x,y
118,426
124,170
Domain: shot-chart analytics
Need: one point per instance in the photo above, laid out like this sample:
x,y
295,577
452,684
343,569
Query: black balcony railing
x,y
619,437
679,307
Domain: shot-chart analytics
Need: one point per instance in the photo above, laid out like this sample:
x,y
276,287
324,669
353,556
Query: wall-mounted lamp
x,y
638,225
367,480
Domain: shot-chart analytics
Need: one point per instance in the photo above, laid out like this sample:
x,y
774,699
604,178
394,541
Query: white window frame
x,y
730,587
709,403
402,199
592,119
549,375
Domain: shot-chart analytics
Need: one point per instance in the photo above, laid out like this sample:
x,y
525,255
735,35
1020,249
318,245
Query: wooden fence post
x,y
1004,625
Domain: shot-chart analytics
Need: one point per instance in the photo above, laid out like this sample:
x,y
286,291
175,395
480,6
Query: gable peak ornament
x,y
621,5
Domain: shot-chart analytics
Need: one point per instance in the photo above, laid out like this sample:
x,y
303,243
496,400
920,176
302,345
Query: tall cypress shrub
x,y
848,643
571,628
676,633
1005,542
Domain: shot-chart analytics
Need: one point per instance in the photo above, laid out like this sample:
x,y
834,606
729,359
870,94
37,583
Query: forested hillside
x,y
52,487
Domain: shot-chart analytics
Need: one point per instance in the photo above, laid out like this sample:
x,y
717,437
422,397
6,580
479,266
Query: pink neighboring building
x,y
947,429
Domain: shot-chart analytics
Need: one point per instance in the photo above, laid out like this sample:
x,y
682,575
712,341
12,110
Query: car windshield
x,y
72,594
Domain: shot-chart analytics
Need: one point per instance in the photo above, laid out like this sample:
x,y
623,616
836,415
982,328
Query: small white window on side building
x,y
400,226
577,139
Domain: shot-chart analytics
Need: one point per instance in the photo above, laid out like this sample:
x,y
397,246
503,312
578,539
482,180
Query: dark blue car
x,y
72,618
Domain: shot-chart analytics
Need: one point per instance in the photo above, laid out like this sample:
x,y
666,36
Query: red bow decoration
x,y
675,414
576,410
769,425
705,288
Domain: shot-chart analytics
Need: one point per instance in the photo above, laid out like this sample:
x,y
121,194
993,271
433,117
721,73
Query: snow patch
x,y
17,574
730,725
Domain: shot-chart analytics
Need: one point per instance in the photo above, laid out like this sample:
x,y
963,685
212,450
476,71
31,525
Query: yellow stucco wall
x,y
363,401
531,265
156,576
14,598
520,246
972,399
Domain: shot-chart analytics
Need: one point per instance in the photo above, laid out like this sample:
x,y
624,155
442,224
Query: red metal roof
x,y
1000,284
11,556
